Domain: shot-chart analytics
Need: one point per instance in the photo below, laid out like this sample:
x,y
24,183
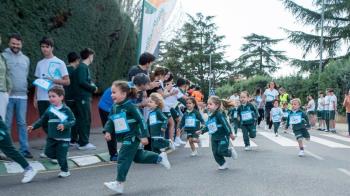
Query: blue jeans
x,y
20,107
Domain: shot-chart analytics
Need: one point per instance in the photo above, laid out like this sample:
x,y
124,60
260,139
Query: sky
x,y
239,18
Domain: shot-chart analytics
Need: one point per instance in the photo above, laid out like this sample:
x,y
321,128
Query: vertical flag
x,y
154,17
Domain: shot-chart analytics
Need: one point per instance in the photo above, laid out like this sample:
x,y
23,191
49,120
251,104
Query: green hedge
x,y
74,25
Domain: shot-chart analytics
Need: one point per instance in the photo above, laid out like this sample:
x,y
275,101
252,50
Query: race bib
x,y
246,115
295,119
285,114
190,121
153,118
120,123
62,116
212,126
42,83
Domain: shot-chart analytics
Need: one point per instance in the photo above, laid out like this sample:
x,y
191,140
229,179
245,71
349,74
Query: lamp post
x,y
321,46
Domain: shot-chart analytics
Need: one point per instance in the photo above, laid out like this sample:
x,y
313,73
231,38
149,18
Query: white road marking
x,y
337,137
328,143
314,155
347,172
283,141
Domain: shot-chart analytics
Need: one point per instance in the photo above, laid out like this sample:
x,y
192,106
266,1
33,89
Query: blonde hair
x,y
297,100
246,93
158,99
227,103
216,100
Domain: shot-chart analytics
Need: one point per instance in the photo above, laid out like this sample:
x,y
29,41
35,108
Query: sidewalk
x,y
77,158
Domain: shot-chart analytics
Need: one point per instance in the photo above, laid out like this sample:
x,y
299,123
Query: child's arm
x,y
182,122
163,119
70,122
39,123
287,124
307,123
136,114
200,118
224,123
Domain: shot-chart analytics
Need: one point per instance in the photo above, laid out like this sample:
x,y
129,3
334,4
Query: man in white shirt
x,y
321,112
331,109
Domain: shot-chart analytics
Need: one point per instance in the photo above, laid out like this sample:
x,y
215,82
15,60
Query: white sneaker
x,y
223,167
276,134
179,141
301,153
29,175
194,153
164,161
43,155
115,186
172,145
88,146
234,153
63,174
265,127
176,144
54,161
247,148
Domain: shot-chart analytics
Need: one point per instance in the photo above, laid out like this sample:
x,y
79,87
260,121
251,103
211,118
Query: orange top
x,y
198,96
346,103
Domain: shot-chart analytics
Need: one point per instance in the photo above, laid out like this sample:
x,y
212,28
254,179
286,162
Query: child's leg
x,y
252,131
190,140
61,154
171,128
215,147
146,157
300,143
276,126
155,146
126,155
245,131
235,126
50,148
223,149
9,150
112,145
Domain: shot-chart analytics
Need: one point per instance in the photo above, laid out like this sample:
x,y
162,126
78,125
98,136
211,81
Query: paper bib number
x,y
212,127
190,121
120,123
246,115
152,119
295,119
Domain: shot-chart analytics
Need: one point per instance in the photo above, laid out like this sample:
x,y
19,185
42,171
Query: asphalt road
x,y
272,168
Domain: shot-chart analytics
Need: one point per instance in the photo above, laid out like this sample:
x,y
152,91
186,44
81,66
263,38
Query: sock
x,y
301,148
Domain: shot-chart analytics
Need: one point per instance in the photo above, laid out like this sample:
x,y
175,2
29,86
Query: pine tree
x,y
336,30
188,54
258,57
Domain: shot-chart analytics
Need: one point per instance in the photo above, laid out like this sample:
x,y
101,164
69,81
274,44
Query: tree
x,y
336,30
74,25
133,8
258,57
188,54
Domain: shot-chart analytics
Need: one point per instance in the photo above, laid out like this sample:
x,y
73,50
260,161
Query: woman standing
x,y
260,105
310,108
346,104
268,97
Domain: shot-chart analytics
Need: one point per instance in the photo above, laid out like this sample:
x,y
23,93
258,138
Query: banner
x,y
155,15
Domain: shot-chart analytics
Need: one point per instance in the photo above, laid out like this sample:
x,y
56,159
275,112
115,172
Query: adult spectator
x,y
5,85
145,61
73,63
259,105
346,104
310,109
269,96
284,97
18,67
104,108
331,109
84,89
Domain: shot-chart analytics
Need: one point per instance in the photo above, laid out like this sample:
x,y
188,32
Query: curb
x,y
11,168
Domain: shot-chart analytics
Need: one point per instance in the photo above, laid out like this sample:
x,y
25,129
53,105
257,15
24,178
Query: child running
x,y
157,123
286,113
127,122
220,131
276,116
191,122
233,114
247,116
59,119
10,151
300,123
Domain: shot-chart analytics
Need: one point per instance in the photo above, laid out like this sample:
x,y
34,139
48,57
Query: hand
x,y
144,141
60,127
30,129
198,132
108,136
155,84
232,136
175,92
